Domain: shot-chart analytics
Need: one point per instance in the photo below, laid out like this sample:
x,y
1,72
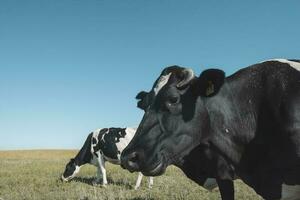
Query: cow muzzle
x,y
131,161
63,179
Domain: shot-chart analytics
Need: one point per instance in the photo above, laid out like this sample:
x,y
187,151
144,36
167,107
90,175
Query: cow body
x,y
245,125
263,143
100,146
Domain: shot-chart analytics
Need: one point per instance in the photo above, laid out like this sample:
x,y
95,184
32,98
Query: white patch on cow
x,y
95,136
102,170
102,138
125,140
293,64
162,81
210,184
77,169
290,192
64,179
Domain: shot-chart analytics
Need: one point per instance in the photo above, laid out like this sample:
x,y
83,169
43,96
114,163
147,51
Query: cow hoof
x,y
96,182
103,185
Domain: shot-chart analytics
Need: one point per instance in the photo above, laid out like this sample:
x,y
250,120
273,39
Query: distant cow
x,y
100,146
245,125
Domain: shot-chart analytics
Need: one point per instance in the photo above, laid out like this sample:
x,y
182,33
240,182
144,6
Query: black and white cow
x,y
100,146
245,125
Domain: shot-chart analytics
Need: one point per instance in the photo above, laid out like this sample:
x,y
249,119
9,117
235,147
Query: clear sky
x,y
70,66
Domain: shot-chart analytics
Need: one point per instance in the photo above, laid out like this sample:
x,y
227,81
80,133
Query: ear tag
x,y
210,89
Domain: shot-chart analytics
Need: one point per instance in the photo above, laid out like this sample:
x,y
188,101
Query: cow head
x,y
175,119
70,171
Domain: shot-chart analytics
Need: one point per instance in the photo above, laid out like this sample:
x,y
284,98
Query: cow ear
x,y
210,81
141,95
142,100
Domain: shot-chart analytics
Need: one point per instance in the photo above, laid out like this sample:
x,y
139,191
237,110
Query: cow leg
x,y
226,189
99,175
95,162
210,184
290,192
150,181
101,169
138,181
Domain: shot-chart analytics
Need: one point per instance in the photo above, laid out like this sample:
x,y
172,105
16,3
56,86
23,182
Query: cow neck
x,y
223,129
84,155
179,160
197,141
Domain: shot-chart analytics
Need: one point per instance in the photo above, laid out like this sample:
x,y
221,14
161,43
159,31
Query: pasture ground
x,y
35,175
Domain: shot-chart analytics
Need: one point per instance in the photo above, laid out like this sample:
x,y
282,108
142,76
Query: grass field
x,y
34,175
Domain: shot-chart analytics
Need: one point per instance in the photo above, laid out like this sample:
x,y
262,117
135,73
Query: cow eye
x,y
173,100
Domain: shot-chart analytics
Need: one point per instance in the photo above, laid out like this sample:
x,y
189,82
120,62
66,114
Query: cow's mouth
x,y
65,179
158,170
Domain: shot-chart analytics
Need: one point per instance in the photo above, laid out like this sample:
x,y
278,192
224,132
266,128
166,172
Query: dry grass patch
x,y
34,175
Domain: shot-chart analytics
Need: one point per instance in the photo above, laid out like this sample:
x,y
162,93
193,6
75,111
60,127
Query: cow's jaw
x,y
156,171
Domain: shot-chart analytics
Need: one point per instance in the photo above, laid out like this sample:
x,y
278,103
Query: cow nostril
x,y
133,161
134,157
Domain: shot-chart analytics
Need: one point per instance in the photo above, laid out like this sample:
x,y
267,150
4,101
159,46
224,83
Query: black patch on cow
x,y
107,140
102,131
84,155
94,141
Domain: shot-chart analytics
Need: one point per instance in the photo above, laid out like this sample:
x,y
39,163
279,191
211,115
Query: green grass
x,y
34,175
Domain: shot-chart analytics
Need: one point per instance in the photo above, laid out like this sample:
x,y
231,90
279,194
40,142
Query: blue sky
x,y
70,66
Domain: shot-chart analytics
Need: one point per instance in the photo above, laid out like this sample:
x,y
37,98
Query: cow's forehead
x,y
162,81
